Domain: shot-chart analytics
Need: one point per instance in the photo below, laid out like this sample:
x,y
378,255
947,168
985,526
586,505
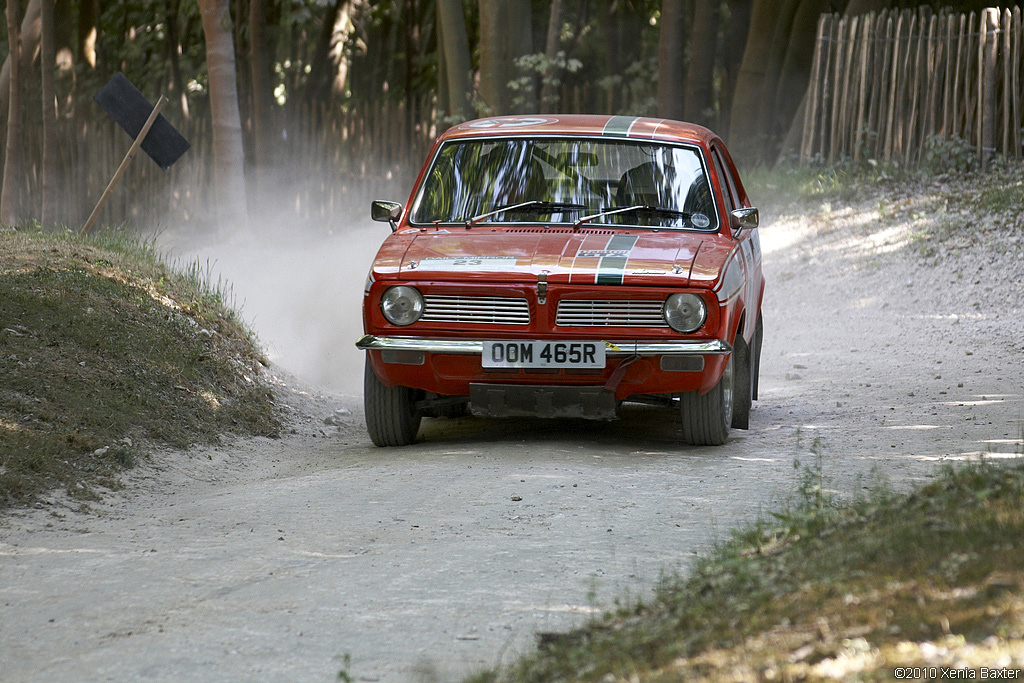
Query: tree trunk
x,y
47,63
321,70
452,26
228,158
796,65
88,29
745,139
494,60
63,30
10,195
178,92
768,118
699,101
519,33
735,41
30,25
671,52
548,93
243,77
264,134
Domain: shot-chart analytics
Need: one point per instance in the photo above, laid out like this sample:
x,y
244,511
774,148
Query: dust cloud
x,y
298,284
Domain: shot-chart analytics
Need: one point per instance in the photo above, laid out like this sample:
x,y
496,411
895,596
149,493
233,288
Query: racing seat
x,y
644,184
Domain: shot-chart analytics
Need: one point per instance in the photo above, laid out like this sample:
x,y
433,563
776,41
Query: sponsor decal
x,y
468,263
508,122
611,264
611,269
601,253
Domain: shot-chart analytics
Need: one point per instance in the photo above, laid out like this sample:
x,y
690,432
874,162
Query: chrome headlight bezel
x,y
685,312
401,305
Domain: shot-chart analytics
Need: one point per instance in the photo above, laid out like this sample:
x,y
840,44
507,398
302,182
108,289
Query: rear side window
x,y
732,197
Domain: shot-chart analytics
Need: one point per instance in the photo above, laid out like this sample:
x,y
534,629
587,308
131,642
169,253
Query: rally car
x,y
558,266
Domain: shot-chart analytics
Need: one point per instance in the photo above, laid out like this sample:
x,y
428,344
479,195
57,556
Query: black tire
x,y
391,415
743,383
706,418
758,338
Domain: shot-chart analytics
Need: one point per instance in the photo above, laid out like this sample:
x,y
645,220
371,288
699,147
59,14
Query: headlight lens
x,y
685,312
402,305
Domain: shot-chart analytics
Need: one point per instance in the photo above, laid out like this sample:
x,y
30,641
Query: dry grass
x,y
104,349
827,591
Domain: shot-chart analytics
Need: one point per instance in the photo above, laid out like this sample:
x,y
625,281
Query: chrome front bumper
x,y
715,347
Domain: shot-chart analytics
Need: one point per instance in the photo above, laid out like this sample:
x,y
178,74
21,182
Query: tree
x,y
547,91
47,57
10,210
505,36
261,63
228,156
698,104
30,25
451,24
746,140
671,49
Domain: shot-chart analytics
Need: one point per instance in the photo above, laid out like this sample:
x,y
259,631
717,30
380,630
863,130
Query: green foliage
x,y
949,155
550,72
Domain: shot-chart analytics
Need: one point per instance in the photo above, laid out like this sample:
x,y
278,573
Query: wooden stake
x,y
124,165
989,52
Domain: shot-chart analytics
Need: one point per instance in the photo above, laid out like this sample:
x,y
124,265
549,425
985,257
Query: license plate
x,y
543,354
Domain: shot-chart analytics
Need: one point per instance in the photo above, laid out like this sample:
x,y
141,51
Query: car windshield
x,y
553,180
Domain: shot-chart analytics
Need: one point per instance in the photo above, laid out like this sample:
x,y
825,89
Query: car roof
x,y
639,127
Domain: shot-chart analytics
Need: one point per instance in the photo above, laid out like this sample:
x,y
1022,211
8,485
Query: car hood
x,y
522,254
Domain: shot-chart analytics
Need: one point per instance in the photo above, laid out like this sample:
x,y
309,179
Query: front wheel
x,y
391,415
706,418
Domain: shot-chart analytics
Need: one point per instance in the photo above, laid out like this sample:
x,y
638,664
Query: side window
x,y
732,197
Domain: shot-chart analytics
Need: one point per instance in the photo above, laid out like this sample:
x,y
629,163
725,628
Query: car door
x,y
749,243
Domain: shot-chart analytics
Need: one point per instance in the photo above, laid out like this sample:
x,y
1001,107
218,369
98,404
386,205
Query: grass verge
x,y
825,590
104,349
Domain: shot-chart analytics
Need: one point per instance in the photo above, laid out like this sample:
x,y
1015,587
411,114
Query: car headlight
x,y
685,312
402,305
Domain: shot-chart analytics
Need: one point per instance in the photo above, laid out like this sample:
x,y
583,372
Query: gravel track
x,y
283,559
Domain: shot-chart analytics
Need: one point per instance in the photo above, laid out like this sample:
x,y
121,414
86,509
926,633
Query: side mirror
x,y
745,219
383,210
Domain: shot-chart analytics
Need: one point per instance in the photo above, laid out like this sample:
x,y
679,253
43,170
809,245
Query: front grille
x,y
497,310
610,312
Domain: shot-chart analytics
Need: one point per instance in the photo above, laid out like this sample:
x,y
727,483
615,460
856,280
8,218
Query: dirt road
x,y
283,560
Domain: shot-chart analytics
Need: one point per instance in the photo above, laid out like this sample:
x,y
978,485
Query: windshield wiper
x,y
639,208
538,205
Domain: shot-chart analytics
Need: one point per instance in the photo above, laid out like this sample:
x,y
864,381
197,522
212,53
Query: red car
x,y
557,266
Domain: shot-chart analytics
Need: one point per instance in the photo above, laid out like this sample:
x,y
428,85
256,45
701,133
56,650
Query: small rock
x,y
99,452
516,499
342,412
799,367
127,442
792,375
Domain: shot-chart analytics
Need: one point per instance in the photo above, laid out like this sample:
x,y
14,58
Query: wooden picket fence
x,y
327,163
884,85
